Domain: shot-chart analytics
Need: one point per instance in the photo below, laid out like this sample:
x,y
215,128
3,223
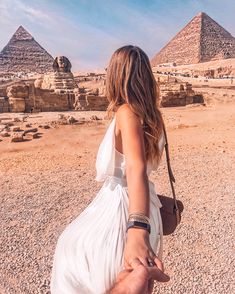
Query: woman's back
x,y
111,162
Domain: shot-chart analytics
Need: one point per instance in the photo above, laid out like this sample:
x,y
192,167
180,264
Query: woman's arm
x,y
137,245
136,166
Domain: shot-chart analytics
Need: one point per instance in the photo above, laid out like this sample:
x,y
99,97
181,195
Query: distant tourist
x,y
121,229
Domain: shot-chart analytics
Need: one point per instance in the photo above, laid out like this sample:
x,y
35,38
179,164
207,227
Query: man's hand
x,y
139,280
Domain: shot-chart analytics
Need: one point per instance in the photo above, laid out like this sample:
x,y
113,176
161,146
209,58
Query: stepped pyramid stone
x,y
24,54
201,40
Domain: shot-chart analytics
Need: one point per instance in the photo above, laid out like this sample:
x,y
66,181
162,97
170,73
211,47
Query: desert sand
x,y
47,182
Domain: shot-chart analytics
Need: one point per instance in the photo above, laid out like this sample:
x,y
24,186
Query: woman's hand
x,y
138,249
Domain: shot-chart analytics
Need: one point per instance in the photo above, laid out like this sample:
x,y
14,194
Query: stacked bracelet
x,y
139,220
139,216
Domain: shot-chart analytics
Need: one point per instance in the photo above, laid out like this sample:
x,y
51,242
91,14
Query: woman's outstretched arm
x,y
136,166
137,245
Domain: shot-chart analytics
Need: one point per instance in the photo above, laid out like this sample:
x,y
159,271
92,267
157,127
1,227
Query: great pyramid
x,y
201,40
24,54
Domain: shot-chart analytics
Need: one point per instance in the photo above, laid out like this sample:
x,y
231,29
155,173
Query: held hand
x,y
138,249
140,280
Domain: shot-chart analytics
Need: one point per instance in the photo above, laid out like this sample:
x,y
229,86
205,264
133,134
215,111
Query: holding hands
x,y
139,256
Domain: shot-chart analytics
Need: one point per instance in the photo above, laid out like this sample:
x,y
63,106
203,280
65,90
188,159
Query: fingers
x,y
144,261
159,263
148,262
156,274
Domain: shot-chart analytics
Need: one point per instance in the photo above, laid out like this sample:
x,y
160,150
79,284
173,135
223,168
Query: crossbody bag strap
x,y
170,173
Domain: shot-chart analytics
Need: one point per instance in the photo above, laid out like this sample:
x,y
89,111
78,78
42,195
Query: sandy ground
x,y
47,182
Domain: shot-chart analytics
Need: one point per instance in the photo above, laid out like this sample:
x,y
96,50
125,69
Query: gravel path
x,y
47,183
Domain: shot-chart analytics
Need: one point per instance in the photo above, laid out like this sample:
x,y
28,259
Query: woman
x,y
122,225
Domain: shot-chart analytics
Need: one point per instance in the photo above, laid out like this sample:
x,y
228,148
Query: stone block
x,y
17,137
17,104
15,128
31,136
5,134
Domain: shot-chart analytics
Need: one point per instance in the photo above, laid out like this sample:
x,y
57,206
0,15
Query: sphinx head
x,y
62,64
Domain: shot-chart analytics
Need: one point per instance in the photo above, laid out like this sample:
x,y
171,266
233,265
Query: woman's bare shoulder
x,y
125,114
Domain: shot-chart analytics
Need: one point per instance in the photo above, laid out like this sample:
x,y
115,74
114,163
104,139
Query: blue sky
x,y
88,31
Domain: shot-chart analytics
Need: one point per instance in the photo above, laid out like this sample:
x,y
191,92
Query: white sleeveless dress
x,y
89,252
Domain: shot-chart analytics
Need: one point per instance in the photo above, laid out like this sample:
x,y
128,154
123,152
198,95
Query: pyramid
x,y
201,40
24,54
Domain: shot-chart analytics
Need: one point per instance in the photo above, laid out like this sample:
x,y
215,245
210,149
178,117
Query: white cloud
x,y
5,16
34,14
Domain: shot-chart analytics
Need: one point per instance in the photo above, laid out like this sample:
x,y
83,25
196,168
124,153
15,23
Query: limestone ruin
x,y
54,91
24,54
178,94
201,40
92,95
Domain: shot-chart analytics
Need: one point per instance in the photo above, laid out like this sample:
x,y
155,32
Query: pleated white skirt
x,y
89,252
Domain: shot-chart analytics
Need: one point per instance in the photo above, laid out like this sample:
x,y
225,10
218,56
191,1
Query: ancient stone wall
x,y
182,94
4,104
90,102
48,100
25,97
17,93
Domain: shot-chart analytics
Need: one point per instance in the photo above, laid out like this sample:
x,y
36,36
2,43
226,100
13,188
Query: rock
x,y
28,125
79,122
5,134
46,127
24,118
2,127
71,120
61,116
31,136
8,124
94,117
17,137
16,119
34,130
15,128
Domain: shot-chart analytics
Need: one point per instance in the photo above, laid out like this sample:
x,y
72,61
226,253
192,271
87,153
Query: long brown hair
x,y
130,80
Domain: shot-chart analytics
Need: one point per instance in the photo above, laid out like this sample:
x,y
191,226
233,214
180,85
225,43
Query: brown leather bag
x,y
171,207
